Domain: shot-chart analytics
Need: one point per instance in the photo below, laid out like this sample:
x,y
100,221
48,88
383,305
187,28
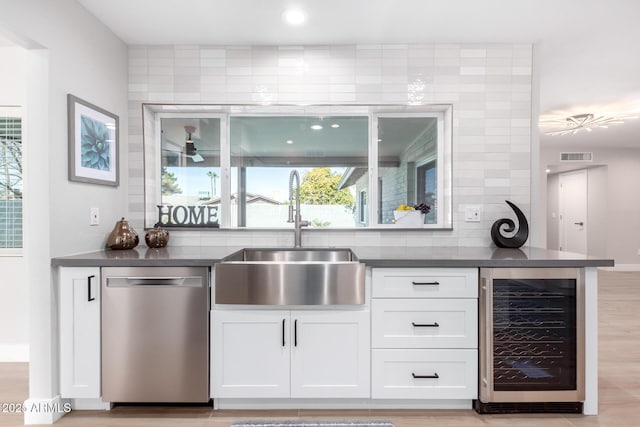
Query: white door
x,y
330,354
573,212
79,332
250,353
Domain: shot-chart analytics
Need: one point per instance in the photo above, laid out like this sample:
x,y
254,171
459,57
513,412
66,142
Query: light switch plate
x,y
94,216
472,214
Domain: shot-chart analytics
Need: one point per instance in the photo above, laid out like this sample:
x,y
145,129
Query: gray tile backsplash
x,y
489,86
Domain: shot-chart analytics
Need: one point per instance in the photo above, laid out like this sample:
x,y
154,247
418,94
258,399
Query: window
x,y
190,171
323,149
408,147
10,183
231,165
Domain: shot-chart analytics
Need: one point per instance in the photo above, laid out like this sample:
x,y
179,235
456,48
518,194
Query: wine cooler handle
x,y
486,341
434,376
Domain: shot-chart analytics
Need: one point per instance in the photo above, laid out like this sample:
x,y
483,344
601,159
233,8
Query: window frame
x,y
224,112
15,112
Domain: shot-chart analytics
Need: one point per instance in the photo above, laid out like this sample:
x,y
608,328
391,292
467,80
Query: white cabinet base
x,y
342,404
79,317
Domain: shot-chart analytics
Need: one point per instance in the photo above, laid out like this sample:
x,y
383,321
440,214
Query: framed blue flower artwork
x,y
93,143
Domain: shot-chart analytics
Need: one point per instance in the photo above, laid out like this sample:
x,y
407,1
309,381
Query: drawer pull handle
x,y
434,376
425,325
425,283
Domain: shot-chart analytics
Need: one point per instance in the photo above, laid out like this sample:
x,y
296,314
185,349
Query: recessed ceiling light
x,y
294,16
316,127
335,125
289,141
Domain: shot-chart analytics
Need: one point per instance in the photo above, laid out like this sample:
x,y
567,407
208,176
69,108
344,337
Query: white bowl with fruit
x,y
410,216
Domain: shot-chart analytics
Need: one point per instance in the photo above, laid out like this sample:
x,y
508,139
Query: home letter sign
x,y
188,216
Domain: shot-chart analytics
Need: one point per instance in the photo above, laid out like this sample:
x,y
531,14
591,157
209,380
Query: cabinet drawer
x,y
424,374
425,282
424,323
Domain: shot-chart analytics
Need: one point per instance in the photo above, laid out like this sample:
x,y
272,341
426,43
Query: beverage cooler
x,y
531,340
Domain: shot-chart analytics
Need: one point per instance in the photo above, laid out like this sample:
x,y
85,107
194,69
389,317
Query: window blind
x,y
11,227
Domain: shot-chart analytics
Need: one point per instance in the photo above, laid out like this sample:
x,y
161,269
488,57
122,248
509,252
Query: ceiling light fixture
x,y
335,125
587,122
294,17
316,127
289,141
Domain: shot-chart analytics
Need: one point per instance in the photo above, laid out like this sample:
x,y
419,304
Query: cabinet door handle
x,y
295,333
89,297
434,376
425,325
579,223
283,343
425,283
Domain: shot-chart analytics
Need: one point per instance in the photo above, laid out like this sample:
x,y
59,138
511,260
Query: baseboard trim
x,y
14,352
623,267
247,404
89,404
44,411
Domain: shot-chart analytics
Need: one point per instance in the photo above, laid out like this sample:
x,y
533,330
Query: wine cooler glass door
x,y
533,335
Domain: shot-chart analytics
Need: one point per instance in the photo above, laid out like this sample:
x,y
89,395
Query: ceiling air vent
x,y
576,157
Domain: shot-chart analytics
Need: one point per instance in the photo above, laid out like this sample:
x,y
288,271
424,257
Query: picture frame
x,y
93,143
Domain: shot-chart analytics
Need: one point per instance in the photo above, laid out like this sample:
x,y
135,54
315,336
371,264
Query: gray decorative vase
x,y
509,226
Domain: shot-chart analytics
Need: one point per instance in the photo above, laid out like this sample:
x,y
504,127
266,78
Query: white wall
x,y
70,52
614,201
86,60
489,86
14,339
597,210
553,211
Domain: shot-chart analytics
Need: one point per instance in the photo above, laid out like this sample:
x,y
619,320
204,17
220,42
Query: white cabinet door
x,y
79,318
249,353
330,354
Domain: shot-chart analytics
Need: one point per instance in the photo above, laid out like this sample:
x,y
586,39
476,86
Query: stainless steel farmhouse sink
x,y
283,276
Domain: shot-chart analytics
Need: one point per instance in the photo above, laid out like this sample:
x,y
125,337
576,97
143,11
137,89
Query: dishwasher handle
x,y
129,282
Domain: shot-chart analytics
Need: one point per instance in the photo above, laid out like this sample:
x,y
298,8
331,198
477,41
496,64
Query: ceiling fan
x,y
190,149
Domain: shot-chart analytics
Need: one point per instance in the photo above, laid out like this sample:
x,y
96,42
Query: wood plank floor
x,y
619,376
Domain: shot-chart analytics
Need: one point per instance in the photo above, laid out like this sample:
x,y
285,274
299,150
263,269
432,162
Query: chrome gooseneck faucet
x,y
299,223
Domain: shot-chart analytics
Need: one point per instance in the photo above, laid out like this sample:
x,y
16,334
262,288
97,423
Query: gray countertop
x,y
379,256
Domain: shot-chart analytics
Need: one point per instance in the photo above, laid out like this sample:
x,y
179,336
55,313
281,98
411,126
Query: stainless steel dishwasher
x,y
155,334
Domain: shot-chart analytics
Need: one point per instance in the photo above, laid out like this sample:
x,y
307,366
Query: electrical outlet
x,y
94,216
472,214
